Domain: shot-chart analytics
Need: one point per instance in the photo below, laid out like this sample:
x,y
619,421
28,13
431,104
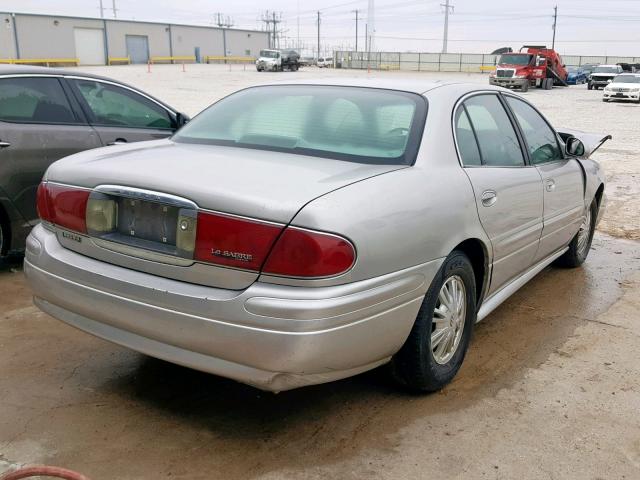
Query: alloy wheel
x,y
584,233
448,319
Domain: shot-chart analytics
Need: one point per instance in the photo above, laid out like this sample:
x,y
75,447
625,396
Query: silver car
x,y
302,233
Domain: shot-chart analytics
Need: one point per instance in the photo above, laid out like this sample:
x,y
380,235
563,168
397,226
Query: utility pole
x,y
269,19
356,10
447,8
298,25
101,9
318,34
371,13
114,9
555,21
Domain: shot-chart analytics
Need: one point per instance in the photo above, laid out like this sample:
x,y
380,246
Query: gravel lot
x,y
549,389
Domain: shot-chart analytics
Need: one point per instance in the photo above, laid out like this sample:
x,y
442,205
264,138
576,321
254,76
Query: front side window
x,y
110,105
540,138
363,125
497,139
34,100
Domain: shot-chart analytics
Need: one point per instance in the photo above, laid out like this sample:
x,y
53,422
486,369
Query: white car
x,y
623,87
325,62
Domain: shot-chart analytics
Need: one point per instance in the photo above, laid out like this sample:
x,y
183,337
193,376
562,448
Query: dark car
x,y
47,114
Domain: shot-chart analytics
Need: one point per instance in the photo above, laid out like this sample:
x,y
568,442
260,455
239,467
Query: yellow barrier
x,y
113,60
386,66
31,61
222,58
487,68
185,58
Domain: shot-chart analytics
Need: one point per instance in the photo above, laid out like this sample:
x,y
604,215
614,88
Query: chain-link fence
x,y
448,62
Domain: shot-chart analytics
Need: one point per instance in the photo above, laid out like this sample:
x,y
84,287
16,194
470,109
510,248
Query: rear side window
x,y
467,145
110,105
34,100
362,125
497,139
541,139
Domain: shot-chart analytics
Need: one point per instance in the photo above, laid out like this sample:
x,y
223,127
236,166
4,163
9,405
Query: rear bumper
x,y
270,336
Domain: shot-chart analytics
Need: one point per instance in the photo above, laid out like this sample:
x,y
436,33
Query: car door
x,y
563,178
508,191
120,114
38,125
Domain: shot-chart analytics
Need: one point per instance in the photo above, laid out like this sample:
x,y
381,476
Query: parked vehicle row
x,y
47,114
296,234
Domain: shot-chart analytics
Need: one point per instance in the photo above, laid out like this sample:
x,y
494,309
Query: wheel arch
x,y
599,194
478,254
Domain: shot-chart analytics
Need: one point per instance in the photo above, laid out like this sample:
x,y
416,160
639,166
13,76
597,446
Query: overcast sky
x,y
610,27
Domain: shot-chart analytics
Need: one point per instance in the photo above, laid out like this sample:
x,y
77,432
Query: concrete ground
x,y
550,387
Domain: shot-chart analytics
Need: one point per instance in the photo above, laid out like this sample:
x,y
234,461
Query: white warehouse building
x,y
94,41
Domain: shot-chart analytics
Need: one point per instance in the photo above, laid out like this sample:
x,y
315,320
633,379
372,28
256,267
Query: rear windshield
x,y
364,125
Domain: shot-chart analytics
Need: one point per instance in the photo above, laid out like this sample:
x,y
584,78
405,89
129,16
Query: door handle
x,y
489,197
550,185
118,141
4,144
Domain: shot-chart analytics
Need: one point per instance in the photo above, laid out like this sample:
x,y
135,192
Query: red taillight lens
x,y
303,253
233,241
62,205
42,203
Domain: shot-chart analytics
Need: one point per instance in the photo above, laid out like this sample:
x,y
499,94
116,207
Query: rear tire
x,y
419,365
581,244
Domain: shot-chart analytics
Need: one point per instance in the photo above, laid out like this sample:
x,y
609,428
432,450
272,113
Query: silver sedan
x,y
302,233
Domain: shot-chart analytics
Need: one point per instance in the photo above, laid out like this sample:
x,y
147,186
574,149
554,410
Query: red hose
x,y
44,471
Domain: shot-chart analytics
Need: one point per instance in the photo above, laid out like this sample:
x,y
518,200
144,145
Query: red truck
x,y
536,66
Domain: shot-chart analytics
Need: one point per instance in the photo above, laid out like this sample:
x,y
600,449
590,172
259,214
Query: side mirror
x,y
181,119
575,147
609,81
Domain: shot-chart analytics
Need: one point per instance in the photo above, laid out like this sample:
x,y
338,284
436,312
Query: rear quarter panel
x,y
404,218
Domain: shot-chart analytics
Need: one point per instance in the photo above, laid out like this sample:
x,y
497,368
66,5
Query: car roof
x,y
34,70
418,86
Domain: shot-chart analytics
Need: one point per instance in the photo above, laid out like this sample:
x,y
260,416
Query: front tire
x,y
525,87
433,353
581,244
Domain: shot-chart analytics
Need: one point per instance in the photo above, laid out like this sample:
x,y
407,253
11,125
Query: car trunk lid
x,y
157,186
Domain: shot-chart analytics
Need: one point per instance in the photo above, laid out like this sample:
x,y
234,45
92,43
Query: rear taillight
x,y
244,243
305,253
234,241
62,205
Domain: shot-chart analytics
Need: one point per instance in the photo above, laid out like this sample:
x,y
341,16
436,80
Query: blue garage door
x,y
138,48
